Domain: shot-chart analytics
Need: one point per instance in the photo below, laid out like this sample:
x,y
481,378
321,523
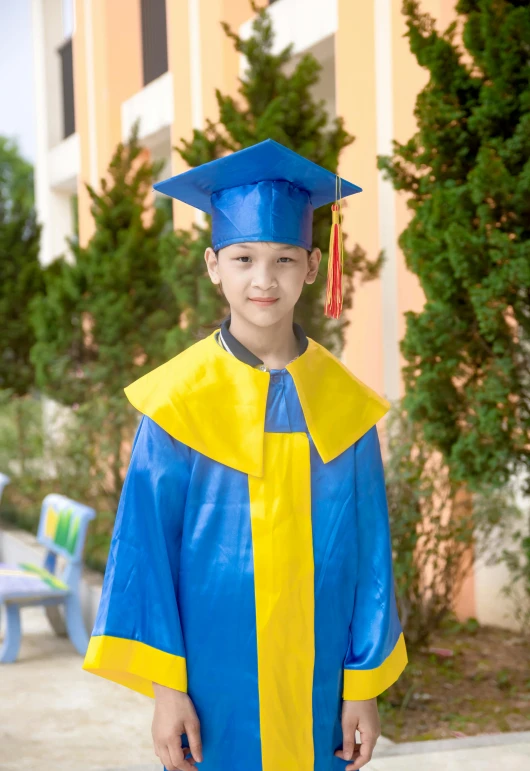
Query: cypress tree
x,y
103,319
21,273
467,174
20,281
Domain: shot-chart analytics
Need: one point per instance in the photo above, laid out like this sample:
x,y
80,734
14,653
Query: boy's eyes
x,y
248,258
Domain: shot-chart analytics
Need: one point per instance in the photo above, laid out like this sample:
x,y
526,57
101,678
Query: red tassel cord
x,y
333,307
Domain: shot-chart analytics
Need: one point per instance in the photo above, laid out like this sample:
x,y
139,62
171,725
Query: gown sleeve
x,y
376,653
137,637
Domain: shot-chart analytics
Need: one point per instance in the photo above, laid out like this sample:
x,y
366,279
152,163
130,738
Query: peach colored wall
x,y
179,64
117,74
220,59
81,117
124,75
219,69
355,99
235,13
211,15
102,78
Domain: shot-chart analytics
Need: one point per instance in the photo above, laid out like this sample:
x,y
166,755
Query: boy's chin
x,y
263,317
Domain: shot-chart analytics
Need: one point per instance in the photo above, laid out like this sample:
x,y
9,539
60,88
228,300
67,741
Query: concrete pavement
x,y
56,717
493,752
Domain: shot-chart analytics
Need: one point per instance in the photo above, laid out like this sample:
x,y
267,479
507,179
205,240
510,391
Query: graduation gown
x,y
251,560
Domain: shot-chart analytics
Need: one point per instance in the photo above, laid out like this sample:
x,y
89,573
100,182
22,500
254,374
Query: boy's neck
x,y
275,345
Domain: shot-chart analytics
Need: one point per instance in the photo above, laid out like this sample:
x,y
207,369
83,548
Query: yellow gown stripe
x,y
135,664
280,511
366,683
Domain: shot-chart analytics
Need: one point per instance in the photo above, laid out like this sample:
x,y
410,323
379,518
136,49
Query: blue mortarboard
x,y
266,192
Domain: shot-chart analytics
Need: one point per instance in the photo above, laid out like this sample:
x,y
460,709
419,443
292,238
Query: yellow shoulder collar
x,y
210,400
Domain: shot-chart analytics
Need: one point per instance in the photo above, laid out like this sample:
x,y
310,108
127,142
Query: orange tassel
x,y
333,307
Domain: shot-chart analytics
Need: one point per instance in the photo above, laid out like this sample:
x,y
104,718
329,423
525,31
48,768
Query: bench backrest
x,y
63,526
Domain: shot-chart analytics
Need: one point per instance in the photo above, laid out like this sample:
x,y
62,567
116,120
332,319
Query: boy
x,y
249,585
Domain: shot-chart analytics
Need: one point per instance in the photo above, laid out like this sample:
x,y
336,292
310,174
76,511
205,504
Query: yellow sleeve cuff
x,y
135,664
362,684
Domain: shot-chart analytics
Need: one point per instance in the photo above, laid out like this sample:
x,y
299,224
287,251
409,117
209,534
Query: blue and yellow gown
x,y
251,561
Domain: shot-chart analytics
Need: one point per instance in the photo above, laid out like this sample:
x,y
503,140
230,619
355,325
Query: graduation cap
x,y
267,192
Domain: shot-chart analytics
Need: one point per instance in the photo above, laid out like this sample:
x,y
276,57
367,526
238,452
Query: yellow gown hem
x,y
360,684
134,664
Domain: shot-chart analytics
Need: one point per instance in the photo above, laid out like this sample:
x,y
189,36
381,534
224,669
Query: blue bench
x,y
62,531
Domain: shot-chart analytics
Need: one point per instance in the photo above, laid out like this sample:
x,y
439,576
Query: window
x,y
68,18
67,75
154,39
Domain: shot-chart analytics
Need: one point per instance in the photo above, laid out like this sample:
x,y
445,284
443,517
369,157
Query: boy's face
x,y
260,269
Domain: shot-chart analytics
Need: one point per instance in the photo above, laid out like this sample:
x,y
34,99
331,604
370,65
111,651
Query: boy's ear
x,y
312,268
211,263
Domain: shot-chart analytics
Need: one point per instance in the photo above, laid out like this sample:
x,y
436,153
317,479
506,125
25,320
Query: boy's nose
x,y
265,285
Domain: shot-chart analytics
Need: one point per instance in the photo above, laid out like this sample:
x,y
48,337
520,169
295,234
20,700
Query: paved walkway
x,y
509,752
55,717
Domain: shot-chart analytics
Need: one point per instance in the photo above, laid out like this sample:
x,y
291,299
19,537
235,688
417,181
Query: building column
x,y
53,207
179,48
384,90
355,78
83,53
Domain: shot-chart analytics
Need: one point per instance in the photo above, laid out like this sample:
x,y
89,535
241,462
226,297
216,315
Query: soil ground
x,y
483,687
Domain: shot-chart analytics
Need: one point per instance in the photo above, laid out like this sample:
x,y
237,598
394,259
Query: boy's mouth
x,y
263,300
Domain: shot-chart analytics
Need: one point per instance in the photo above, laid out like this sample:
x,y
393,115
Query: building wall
x,y
107,71
356,97
54,179
369,77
